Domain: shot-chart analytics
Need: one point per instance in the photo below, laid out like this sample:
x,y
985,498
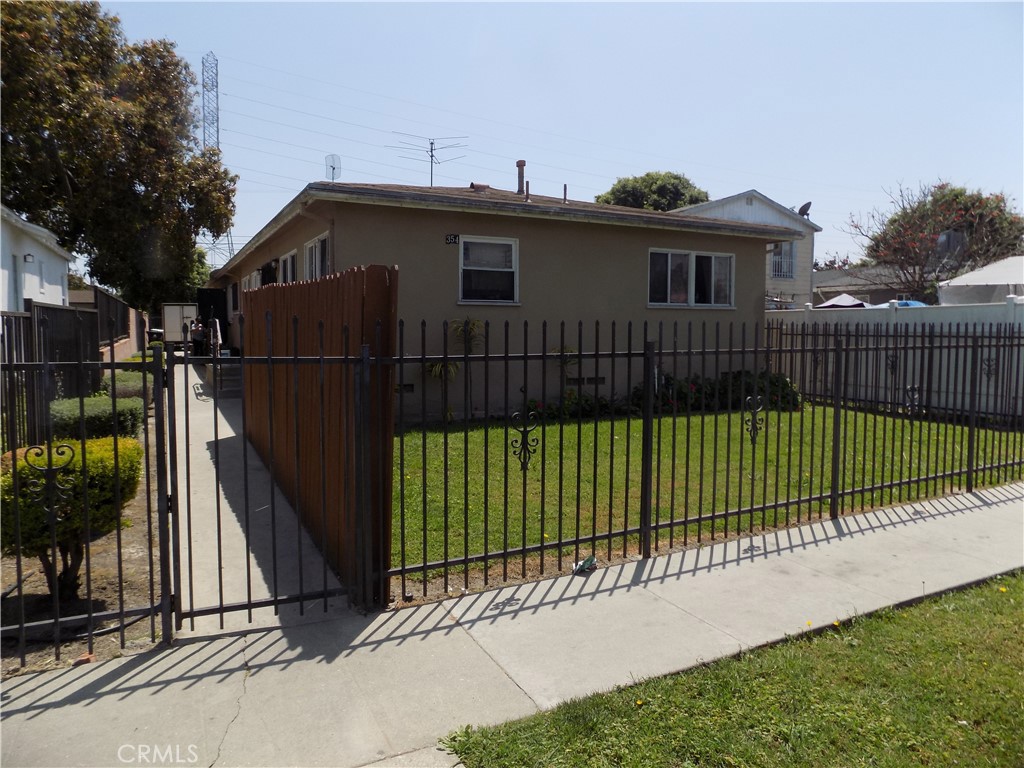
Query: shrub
x,y
129,384
728,392
155,348
99,416
99,487
778,391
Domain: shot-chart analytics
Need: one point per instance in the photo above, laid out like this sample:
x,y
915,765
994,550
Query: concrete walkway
x,y
351,690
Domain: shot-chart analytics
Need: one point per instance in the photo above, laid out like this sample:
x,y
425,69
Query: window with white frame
x,y
488,269
316,262
690,279
286,268
783,260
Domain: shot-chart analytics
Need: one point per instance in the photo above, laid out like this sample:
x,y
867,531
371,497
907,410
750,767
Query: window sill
x,y
471,303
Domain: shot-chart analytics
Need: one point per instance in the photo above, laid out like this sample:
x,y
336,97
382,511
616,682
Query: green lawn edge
x,y
939,683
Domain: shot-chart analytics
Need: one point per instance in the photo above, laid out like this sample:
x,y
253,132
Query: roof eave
x,y
537,209
532,209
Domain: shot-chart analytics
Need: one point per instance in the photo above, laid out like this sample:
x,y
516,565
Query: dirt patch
x,y
129,580
511,570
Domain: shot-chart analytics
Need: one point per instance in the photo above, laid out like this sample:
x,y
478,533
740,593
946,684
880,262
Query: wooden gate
x,y
318,383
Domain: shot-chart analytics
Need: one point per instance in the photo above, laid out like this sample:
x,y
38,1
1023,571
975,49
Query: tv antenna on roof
x,y
333,171
431,150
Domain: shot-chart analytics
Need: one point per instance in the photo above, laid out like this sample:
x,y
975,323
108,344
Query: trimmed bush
x,y
778,391
99,416
101,484
726,393
129,384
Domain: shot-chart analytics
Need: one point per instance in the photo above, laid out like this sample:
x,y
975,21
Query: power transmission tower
x,y
211,103
431,149
211,120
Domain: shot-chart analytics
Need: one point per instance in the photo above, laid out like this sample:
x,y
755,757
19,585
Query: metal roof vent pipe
x,y
521,165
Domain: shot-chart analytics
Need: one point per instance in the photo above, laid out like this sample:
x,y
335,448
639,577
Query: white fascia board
x,y
36,232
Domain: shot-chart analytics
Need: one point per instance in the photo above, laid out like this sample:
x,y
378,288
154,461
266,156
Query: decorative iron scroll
x,y
48,461
913,401
754,422
990,367
892,362
524,446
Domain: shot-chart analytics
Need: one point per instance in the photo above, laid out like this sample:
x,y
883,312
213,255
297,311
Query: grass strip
x,y
937,684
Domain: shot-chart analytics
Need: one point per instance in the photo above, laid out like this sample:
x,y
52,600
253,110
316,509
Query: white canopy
x,y
842,301
989,285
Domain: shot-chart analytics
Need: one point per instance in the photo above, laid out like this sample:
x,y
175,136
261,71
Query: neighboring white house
x,y
789,265
33,266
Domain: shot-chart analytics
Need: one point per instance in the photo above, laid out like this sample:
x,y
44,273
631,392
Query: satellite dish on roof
x,y
332,162
805,209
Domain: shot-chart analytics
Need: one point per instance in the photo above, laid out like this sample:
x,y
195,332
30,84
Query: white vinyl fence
x,y
927,360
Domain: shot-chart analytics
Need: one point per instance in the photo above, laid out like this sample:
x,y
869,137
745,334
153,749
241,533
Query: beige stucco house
x,y
788,263
495,255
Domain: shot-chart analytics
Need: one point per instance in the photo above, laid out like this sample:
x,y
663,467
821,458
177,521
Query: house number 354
x,y
451,239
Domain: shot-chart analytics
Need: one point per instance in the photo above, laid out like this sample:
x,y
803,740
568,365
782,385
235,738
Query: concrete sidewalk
x,y
381,690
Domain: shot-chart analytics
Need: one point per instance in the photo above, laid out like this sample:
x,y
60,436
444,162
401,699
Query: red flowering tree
x,y
935,233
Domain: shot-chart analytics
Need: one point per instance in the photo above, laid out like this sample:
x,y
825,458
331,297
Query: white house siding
x,y
43,277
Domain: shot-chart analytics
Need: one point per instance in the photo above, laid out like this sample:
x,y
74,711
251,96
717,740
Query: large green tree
x,y
935,233
655,191
99,145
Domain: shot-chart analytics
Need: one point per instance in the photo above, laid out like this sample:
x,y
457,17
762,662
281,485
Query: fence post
x,y
162,359
162,501
647,453
972,410
837,421
365,553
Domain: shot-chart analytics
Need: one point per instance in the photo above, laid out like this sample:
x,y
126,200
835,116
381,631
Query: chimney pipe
x,y
527,192
521,164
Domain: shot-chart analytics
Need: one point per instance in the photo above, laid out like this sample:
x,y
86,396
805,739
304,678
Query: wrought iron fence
x,y
83,505
518,452
521,451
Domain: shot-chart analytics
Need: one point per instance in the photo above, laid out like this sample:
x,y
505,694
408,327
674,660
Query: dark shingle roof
x,y
486,199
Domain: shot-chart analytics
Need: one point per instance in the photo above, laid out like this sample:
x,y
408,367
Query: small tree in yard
x,y
936,233
56,510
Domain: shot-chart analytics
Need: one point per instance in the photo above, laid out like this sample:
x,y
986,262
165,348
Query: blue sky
x,y
831,103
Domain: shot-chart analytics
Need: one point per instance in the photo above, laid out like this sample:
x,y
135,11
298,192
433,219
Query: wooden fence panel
x,y
302,350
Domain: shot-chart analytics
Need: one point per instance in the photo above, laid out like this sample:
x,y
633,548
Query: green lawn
x,y
938,684
579,483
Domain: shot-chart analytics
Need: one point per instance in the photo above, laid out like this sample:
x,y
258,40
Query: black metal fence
x,y
53,333
519,452
113,316
84,513
522,451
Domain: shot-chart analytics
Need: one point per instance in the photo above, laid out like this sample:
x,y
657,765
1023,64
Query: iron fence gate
x,y
518,452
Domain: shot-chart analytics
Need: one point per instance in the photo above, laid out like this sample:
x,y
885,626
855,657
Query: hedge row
x,y
695,394
98,416
130,384
729,392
